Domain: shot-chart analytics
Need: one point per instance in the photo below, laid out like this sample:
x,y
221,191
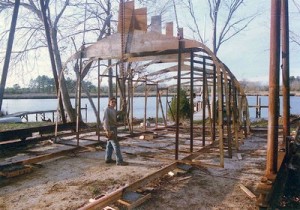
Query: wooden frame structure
x,y
175,61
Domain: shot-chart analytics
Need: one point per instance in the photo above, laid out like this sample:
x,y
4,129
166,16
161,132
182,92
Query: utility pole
x,y
272,145
285,68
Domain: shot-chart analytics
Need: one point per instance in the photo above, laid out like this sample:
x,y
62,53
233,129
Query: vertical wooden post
x,y
78,96
145,110
209,107
157,106
117,83
256,108
203,101
259,105
98,101
167,98
192,103
161,106
220,115
228,112
235,118
214,102
180,45
129,93
131,104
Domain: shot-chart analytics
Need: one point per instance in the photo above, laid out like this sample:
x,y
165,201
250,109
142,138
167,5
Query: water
x,y
294,103
19,105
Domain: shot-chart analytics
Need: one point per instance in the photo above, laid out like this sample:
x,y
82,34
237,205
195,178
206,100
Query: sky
x,y
246,55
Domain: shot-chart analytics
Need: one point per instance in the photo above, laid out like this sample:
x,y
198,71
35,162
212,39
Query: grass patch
x,y
259,123
15,126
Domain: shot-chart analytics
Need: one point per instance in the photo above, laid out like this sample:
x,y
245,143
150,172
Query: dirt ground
x,y
69,182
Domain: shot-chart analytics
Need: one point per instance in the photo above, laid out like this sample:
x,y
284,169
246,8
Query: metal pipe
x,y
272,145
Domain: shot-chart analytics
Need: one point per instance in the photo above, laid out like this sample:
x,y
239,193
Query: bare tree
x,y
225,27
65,19
294,36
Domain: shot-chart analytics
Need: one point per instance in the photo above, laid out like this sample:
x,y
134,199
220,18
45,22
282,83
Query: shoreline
x,y
53,96
266,93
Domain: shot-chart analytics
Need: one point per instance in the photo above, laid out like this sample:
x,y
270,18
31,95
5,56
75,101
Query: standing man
x,y
110,127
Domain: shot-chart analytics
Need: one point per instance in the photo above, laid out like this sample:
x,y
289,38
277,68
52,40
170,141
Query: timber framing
x,y
159,60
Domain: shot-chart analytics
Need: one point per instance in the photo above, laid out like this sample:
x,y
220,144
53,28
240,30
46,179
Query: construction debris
x,y
148,136
247,191
133,199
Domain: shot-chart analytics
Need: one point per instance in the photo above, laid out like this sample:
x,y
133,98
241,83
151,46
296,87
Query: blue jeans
x,y
113,144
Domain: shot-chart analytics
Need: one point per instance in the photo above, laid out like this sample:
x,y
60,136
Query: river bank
x,y
104,95
54,96
266,93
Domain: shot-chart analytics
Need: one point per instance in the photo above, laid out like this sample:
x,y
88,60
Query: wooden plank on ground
x,y
104,201
247,191
134,202
43,157
117,195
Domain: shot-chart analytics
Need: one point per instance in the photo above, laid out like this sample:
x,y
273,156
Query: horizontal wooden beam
x,y
116,195
142,44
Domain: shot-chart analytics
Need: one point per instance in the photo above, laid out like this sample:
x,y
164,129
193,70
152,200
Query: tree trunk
x,y
61,78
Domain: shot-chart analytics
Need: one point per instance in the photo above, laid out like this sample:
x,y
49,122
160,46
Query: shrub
x,y
184,107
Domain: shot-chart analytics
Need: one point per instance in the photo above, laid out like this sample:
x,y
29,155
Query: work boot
x,y
123,163
110,161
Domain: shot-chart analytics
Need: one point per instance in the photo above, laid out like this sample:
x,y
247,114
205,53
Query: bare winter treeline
x,y
44,84
258,86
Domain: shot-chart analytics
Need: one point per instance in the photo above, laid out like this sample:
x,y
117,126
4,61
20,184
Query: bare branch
x,y
236,30
191,10
295,38
60,14
297,5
